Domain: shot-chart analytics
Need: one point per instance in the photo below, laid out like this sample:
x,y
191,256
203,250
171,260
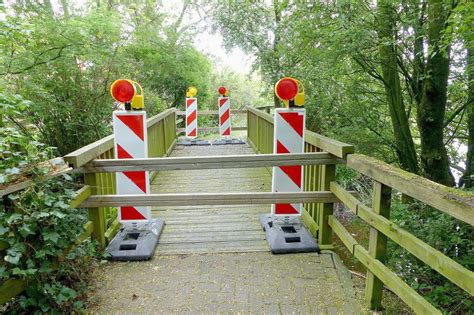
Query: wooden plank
x,y
309,222
325,233
338,148
81,195
265,116
394,283
112,230
213,112
89,228
11,288
342,233
457,203
93,150
212,247
450,269
55,167
159,117
381,197
388,277
208,199
96,215
210,162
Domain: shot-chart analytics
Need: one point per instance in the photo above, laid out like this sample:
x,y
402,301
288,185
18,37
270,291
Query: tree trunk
x,y
388,57
467,179
432,108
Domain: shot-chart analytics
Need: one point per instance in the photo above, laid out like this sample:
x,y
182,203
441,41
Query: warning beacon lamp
x,y
125,91
223,91
290,91
191,92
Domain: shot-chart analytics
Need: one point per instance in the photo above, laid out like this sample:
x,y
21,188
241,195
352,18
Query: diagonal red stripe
x,y
295,120
285,208
189,102
191,117
222,101
134,122
130,213
281,148
225,116
122,153
294,173
138,178
192,133
226,132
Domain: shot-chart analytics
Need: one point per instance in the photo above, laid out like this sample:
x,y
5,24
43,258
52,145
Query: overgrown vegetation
x,y
38,229
448,235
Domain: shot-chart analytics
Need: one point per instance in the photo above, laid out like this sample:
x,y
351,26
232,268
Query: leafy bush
x,y
41,231
451,237
19,148
37,226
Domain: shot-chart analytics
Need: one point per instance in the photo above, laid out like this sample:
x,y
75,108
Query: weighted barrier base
x,y
193,142
224,141
136,243
285,238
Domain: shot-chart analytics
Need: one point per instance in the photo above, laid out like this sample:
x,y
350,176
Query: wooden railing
x,y
385,177
161,141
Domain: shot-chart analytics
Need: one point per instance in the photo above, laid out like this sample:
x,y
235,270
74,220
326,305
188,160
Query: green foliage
x,y
453,238
65,63
41,231
20,150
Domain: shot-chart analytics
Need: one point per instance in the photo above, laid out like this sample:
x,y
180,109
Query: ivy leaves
x,y
40,234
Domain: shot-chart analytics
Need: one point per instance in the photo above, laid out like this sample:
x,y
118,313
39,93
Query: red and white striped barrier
x,y
224,116
289,138
191,117
130,140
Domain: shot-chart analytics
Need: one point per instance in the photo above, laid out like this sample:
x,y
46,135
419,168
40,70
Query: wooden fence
x,y
322,223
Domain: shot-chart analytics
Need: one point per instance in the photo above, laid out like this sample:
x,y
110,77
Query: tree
x,y
390,78
259,29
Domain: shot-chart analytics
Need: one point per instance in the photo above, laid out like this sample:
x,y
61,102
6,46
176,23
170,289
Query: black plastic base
x,y
193,142
285,238
224,141
136,243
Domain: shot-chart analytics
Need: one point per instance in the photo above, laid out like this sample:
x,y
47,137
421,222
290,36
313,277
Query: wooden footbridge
x,y
212,256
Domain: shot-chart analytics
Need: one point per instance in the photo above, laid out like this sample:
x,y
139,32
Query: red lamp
x,y
122,90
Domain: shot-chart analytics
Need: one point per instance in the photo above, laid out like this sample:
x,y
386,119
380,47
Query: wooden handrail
x,y
91,151
211,162
388,277
457,203
453,271
201,199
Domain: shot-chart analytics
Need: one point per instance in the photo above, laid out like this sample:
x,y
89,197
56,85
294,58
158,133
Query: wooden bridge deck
x,y
214,259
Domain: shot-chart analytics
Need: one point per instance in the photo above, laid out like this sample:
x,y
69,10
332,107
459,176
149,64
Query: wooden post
x,y
96,215
377,245
325,232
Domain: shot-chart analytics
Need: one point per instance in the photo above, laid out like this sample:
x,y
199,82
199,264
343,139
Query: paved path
x,y
214,259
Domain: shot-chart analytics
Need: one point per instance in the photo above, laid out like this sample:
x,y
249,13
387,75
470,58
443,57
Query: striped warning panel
x,y
289,138
130,140
224,116
191,117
